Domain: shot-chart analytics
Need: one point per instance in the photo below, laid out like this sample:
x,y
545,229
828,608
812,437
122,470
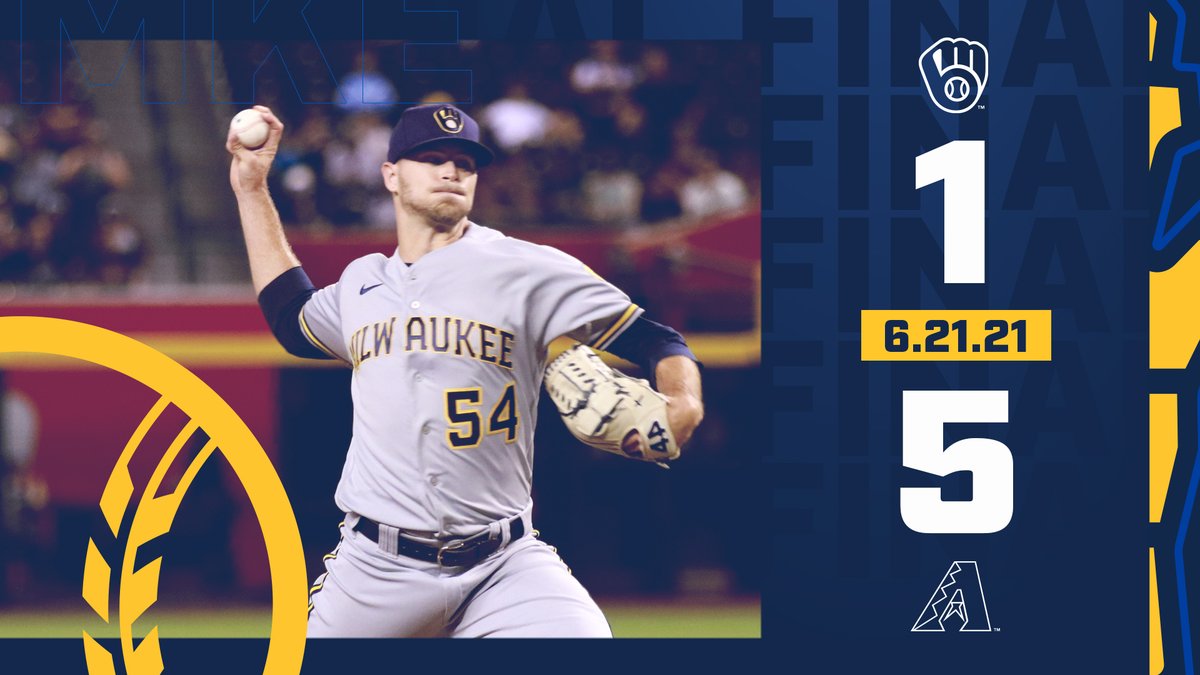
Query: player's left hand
x,y
609,410
684,413
678,380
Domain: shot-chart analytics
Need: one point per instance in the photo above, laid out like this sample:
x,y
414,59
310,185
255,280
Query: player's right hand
x,y
249,169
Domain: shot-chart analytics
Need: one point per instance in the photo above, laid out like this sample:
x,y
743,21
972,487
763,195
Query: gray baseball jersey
x,y
448,358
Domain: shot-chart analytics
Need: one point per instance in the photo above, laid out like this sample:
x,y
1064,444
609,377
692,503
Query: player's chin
x,y
449,212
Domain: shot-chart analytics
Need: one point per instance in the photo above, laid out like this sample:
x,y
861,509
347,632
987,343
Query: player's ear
x,y
391,178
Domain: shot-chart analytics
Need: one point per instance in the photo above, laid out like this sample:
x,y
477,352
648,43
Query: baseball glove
x,y
607,409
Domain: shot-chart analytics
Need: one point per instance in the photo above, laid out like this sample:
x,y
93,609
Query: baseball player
x,y
448,340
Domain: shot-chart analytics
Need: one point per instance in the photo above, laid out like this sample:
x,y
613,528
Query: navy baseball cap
x,y
425,124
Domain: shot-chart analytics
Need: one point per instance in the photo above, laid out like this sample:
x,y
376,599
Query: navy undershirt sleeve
x,y
281,302
646,343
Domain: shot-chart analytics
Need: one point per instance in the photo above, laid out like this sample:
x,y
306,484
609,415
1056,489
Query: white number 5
x,y
989,461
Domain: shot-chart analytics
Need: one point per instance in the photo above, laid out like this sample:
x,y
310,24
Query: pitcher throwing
x,y
448,339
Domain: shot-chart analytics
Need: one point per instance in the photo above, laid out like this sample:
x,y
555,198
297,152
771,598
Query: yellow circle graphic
x,y
154,512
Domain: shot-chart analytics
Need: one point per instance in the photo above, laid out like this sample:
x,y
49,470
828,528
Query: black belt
x,y
459,553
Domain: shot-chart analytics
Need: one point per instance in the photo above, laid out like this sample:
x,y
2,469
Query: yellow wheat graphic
x,y
153,518
154,513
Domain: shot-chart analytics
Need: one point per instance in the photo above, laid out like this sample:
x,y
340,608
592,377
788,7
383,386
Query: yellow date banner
x,y
956,335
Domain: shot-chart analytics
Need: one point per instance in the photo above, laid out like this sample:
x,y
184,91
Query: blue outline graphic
x,y
256,14
103,26
1163,236
404,55
1189,503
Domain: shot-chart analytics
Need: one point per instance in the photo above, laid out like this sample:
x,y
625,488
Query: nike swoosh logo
x,y
365,288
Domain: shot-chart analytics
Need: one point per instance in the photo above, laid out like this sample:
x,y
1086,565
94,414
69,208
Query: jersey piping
x,y
615,329
316,342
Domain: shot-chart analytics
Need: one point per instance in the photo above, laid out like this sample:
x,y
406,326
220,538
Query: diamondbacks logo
x,y
955,71
449,120
957,603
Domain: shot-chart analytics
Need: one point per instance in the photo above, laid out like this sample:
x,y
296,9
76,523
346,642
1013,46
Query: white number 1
x,y
989,461
961,165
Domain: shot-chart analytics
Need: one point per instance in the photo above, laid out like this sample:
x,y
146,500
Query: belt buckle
x,y
453,548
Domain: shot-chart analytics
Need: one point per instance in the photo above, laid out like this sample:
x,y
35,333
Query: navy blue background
x,y
1064,121
843,231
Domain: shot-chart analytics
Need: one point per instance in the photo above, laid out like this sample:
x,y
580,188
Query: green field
x,y
684,619
629,618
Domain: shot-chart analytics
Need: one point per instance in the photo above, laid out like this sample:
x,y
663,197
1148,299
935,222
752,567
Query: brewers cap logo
x,y
449,120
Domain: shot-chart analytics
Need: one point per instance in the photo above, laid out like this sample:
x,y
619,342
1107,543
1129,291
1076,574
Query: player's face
x,y
436,183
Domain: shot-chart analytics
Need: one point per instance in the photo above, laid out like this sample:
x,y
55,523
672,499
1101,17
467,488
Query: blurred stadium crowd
x,y
607,134
601,133
61,212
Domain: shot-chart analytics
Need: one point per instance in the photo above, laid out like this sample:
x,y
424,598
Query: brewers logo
x,y
955,71
448,120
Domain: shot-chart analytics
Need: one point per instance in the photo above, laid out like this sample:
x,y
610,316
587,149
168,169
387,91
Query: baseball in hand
x,y
250,127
